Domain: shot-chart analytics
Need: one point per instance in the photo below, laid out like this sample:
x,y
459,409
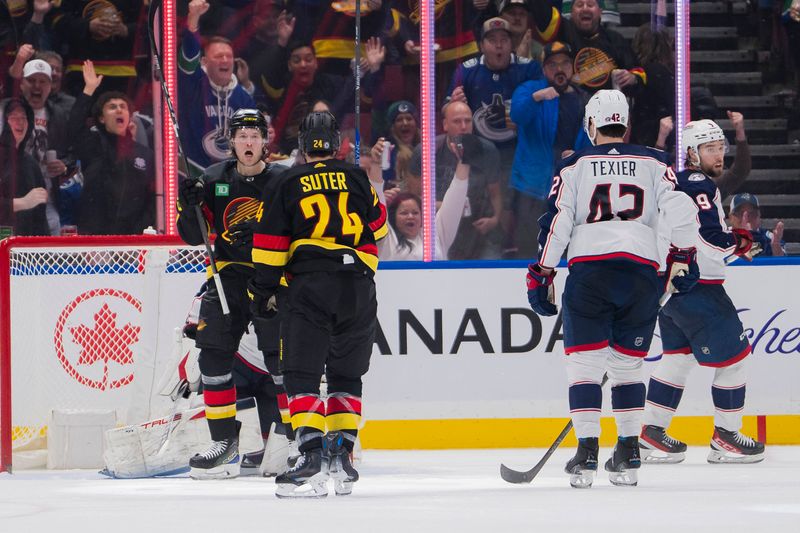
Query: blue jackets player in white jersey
x,y
702,326
605,203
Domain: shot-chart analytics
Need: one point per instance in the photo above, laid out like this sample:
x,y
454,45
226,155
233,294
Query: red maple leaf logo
x,y
105,342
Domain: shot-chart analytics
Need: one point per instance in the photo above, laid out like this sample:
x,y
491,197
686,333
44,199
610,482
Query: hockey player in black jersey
x,y
320,225
229,196
702,326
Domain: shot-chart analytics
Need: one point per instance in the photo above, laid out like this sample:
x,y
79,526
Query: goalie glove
x,y
263,304
744,243
682,270
541,293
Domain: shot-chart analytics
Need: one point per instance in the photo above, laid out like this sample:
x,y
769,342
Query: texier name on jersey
x,y
613,168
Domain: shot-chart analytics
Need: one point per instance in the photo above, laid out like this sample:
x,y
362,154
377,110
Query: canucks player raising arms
x,y
321,225
229,197
702,327
604,203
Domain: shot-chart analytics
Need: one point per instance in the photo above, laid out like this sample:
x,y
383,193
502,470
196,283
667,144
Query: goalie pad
x,y
162,447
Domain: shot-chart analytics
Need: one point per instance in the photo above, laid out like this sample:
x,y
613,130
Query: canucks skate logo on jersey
x,y
239,210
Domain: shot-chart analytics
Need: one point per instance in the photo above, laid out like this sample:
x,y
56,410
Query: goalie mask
x,y
698,133
319,134
605,108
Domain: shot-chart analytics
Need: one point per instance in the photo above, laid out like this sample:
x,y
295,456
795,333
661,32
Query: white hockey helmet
x,y
605,108
697,133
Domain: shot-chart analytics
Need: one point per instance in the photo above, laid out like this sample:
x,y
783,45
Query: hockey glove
x,y
682,270
744,242
190,193
541,293
263,304
472,149
241,234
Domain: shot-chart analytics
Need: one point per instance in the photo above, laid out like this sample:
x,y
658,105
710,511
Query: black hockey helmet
x,y
319,133
248,118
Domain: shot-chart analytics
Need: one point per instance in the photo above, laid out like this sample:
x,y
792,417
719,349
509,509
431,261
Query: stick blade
x,y
514,476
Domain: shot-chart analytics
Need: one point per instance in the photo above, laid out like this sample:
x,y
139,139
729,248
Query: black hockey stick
x,y
201,221
515,476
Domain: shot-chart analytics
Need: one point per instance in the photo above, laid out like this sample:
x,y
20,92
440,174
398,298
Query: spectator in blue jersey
x,y
486,84
745,213
549,118
208,93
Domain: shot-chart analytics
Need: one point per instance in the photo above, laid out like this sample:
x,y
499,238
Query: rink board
x,y
466,364
460,360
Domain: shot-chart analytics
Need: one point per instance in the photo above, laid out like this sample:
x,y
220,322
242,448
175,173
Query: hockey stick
x,y
357,152
515,476
201,221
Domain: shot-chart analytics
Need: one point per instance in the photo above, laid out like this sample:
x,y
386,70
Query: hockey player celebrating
x,y
229,196
702,326
320,226
604,203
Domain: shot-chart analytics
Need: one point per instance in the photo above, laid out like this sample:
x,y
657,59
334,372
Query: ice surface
x,y
423,491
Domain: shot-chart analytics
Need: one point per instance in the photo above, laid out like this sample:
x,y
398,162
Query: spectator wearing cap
x,y
516,13
487,83
49,133
548,114
746,214
404,136
479,235
602,57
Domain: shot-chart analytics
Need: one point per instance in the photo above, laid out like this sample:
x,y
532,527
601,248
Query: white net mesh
x,y
92,328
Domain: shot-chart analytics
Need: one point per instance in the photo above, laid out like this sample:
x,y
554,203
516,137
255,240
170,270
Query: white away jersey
x,y
605,202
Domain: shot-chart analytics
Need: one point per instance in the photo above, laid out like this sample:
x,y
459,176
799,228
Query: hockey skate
x,y
220,461
658,447
734,447
251,463
341,467
308,478
624,462
294,453
583,466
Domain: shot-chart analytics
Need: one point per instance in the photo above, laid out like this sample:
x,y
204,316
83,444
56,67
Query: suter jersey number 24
x,y
323,216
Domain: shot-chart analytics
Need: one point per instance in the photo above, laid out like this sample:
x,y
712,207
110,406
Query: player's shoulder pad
x,y
218,171
470,63
570,160
694,179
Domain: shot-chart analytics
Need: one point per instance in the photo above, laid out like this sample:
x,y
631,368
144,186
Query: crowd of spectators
x,y
512,79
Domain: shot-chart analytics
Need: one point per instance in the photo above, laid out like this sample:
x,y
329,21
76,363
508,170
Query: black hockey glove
x,y
241,234
472,149
541,293
190,192
263,304
682,270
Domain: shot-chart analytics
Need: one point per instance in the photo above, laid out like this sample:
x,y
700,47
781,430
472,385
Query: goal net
x,y
88,323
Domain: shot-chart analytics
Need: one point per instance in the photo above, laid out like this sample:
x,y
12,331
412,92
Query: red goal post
x,y
87,323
